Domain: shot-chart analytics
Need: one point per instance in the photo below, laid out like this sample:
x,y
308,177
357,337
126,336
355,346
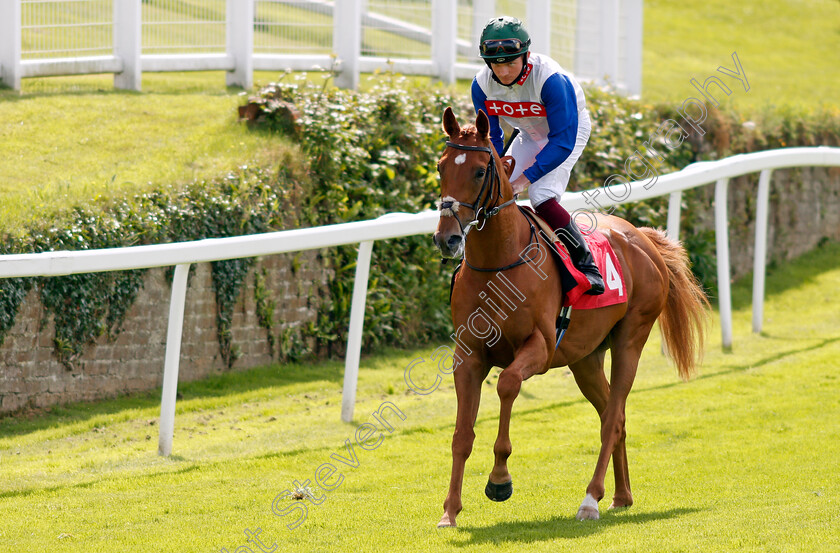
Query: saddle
x,y
574,283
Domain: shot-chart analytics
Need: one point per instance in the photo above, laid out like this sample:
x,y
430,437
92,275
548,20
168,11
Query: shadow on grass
x,y
196,466
528,531
8,95
199,82
805,269
769,359
731,369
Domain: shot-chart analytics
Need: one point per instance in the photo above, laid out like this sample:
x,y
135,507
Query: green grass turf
x,y
69,140
742,458
788,50
74,140
87,142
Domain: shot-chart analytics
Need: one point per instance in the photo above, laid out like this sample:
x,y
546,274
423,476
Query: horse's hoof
x,y
446,522
498,492
588,509
588,513
621,500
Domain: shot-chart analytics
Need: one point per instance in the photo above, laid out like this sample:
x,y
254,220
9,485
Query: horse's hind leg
x,y
627,341
531,359
590,378
622,496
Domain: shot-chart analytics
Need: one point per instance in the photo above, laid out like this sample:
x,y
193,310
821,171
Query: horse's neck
x,y
500,242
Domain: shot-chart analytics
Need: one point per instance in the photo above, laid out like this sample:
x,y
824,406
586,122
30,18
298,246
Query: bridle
x,y
480,208
481,211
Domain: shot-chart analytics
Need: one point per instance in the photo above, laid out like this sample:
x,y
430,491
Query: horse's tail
x,y
683,321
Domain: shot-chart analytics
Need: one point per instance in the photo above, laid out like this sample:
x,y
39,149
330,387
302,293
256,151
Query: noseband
x,y
479,207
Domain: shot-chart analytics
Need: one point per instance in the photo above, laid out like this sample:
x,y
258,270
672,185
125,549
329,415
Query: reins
x,y
531,240
480,209
491,176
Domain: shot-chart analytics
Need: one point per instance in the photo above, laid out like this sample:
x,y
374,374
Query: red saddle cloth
x,y
614,290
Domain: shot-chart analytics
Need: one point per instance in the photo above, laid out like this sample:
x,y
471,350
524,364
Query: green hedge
x,y
366,154
370,154
87,306
621,127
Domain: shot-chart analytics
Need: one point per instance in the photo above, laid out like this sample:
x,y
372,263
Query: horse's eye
x,y
480,173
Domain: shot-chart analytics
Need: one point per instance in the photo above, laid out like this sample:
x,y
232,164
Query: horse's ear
x,y
482,125
450,124
508,162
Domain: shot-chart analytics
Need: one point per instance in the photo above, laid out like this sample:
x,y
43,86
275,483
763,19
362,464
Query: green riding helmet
x,y
503,39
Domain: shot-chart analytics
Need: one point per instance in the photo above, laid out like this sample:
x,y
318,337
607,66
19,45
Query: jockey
x,y
533,93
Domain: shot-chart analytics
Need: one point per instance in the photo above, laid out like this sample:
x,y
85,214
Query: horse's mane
x,y
468,131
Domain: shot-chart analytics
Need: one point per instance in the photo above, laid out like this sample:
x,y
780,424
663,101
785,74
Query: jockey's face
x,y
507,72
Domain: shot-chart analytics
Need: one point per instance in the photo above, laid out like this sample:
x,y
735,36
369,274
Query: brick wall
x,y
804,210
31,376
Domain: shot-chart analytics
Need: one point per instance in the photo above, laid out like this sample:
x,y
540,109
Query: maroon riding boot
x,y
568,232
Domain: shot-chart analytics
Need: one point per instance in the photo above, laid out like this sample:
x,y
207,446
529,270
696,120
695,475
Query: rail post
x,y
127,43
172,359
483,11
760,258
10,23
539,25
722,252
610,29
354,334
674,212
634,31
239,32
444,39
347,41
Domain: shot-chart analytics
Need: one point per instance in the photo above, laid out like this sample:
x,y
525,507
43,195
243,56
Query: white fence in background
x,y
396,225
600,41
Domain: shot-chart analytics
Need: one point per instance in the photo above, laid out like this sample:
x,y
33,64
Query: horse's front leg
x,y
468,378
531,359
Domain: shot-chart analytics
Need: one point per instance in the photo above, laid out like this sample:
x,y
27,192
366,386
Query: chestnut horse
x,y
514,327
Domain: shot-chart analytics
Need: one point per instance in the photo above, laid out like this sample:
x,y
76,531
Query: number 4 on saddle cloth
x,y
574,283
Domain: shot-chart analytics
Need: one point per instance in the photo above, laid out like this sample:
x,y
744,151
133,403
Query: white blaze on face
x,y
459,160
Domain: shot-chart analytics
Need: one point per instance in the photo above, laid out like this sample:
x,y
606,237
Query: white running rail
x,y
41,38
396,225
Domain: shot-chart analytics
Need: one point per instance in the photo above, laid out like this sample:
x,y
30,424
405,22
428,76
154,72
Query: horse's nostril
x,y
453,241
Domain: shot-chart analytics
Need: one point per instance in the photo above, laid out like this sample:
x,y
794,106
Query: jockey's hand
x,y
520,184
